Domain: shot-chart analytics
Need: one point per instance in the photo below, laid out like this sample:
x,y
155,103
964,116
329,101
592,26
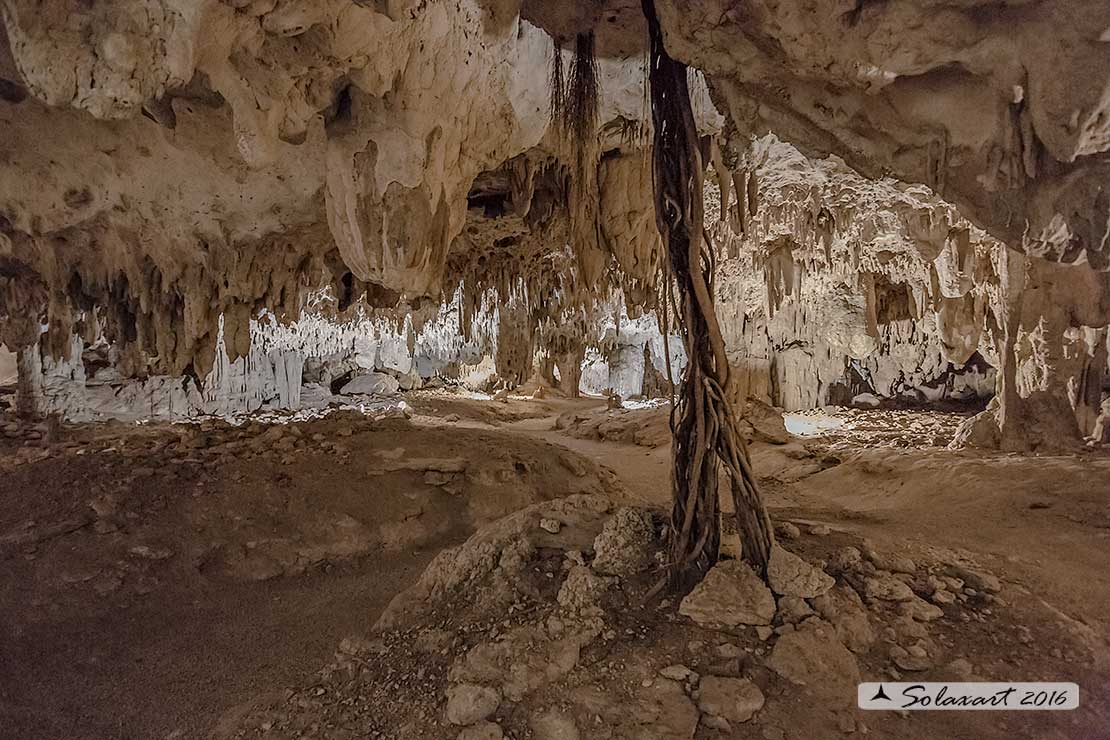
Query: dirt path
x,y
168,667
1042,523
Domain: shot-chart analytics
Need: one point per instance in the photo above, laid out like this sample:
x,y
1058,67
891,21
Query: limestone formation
x,y
927,223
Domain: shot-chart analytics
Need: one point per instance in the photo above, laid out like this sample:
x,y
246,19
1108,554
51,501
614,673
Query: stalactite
x,y
702,421
581,125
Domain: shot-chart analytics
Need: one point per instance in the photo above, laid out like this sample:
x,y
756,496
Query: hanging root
x,y
706,435
578,128
558,90
583,94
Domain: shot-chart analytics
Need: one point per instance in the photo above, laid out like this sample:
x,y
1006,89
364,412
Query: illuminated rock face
x,y
169,166
838,285
1001,108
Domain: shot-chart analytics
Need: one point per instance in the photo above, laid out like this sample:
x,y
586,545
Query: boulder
x,y
469,703
921,610
845,560
813,656
731,594
792,609
375,384
910,661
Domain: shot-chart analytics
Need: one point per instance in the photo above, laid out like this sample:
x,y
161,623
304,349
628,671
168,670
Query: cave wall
x,y
834,285
628,357
831,284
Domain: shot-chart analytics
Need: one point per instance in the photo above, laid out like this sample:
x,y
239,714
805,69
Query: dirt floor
x,y
155,577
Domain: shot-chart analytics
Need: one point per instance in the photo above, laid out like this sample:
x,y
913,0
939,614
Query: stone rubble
x,y
561,658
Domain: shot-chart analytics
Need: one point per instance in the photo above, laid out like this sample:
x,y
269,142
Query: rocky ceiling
x,y
165,163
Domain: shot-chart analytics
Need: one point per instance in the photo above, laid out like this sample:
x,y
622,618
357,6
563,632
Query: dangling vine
x,y
705,431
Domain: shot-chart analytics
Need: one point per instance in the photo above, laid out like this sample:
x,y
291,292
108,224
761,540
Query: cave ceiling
x,y
166,163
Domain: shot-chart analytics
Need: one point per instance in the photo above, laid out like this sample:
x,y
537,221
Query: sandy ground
x,y
194,575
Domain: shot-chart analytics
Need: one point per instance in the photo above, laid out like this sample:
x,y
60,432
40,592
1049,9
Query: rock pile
x,y
528,630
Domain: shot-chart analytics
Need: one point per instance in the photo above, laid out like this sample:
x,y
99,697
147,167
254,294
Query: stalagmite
x,y
28,393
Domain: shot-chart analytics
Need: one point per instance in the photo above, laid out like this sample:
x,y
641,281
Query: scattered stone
x,y
962,668
554,725
436,478
731,594
887,588
976,580
955,585
714,722
843,608
812,656
482,731
906,628
764,633
678,672
792,610
729,651
733,699
921,610
551,525
626,544
104,506
582,590
907,661
820,530
787,531
151,553
468,703
845,560
893,563
943,597
789,575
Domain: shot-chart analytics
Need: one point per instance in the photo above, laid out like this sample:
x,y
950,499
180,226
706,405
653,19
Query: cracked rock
x,y
789,575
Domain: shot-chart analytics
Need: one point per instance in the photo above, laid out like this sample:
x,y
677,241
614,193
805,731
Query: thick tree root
x,y
702,421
